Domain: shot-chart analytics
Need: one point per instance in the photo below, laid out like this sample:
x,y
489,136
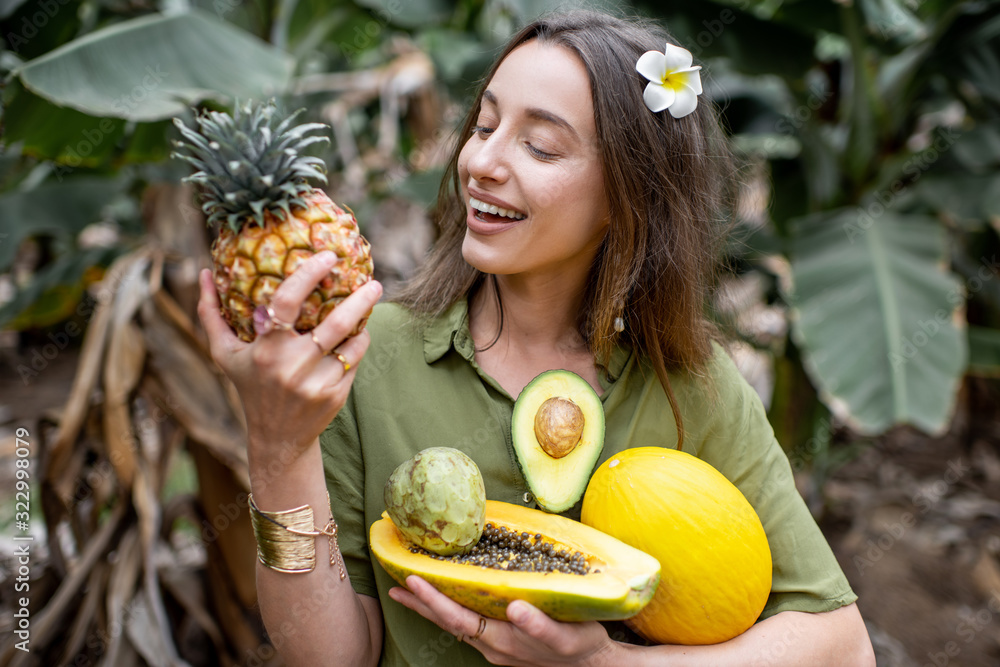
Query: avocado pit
x,y
558,426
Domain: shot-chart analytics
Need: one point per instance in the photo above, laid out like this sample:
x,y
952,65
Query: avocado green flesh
x,y
557,483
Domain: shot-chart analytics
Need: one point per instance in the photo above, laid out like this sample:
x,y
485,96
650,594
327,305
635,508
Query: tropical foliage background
x,y
862,291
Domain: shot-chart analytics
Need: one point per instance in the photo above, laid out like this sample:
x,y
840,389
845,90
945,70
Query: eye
x,y
540,154
482,131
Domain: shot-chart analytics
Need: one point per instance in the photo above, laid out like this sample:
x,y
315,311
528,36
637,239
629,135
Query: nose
x,y
489,158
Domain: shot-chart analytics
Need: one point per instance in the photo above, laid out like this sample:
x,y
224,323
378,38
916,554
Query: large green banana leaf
x,y
154,67
874,309
59,210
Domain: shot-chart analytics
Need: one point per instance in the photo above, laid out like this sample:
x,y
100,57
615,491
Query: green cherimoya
x,y
437,499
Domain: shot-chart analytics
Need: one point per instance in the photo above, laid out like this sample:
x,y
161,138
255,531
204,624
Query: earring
x,y
619,324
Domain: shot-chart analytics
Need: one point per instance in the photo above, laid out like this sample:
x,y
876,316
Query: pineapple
x,y
254,186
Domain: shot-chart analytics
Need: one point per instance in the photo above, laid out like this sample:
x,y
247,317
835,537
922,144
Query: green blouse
x,y
422,388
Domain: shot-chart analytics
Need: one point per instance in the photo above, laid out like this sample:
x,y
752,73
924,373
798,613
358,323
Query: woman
x,y
577,231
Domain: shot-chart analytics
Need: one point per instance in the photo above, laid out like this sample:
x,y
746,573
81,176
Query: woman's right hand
x,y
290,390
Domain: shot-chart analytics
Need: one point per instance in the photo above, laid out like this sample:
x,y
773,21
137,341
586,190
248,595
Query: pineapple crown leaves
x,y
245,165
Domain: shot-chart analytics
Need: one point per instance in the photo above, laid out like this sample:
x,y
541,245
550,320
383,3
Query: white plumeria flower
x,y
673,83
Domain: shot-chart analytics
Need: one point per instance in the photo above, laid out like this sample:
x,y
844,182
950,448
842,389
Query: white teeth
x,y
495,210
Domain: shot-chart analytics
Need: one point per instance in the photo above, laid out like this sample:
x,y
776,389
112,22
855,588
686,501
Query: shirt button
x,y
527,498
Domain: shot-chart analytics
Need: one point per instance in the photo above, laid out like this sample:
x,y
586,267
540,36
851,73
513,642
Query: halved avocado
x,y
558,433
621,580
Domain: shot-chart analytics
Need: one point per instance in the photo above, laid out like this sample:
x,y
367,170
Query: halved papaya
x,y
620,580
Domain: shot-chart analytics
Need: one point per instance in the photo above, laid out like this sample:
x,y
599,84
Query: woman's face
x,y
533,163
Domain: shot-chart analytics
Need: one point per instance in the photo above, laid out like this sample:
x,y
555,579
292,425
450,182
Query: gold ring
x,y
312,334
479,632
342,359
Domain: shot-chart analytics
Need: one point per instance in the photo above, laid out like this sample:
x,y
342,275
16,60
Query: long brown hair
x,y
668,185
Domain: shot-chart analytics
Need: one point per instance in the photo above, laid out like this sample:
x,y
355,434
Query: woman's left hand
x,y
530,637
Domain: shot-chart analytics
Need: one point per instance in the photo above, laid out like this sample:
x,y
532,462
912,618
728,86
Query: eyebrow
x,y
537,114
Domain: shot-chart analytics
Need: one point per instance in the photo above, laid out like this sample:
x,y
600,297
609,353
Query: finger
x,y
562,638
533,622
219,333
355,347
349,354
420,598
352,348
329,375
451,616
292,292
411,601
345,317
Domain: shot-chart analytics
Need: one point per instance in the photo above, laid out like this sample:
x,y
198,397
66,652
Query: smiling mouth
x,y
493,213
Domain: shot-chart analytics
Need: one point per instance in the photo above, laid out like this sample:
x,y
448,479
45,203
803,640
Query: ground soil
x,y
915,523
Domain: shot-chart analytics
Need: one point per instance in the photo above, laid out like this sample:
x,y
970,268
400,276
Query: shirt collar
x,y
452,330
448,330
616,365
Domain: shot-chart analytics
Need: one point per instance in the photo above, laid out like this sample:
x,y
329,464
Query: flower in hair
x,y
673,83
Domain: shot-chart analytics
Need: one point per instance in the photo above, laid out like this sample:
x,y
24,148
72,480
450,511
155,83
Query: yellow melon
x,y
715,564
